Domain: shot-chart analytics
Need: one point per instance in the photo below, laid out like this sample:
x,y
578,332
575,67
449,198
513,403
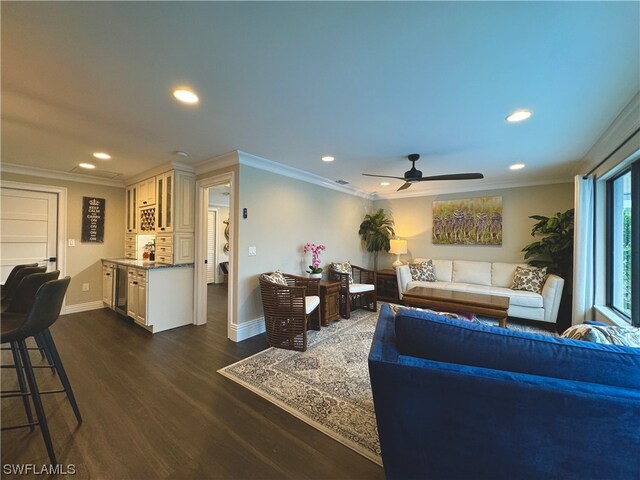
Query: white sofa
x,y
490,278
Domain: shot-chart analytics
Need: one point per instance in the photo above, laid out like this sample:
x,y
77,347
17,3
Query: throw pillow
x,y
422,271
530,279
343,267
467,317
609,335
276,277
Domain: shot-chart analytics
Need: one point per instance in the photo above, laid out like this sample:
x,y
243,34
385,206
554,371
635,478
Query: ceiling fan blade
x,y
454,176
404,187
383,176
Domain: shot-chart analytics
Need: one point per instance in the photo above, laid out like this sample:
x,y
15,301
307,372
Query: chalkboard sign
x,y
93,219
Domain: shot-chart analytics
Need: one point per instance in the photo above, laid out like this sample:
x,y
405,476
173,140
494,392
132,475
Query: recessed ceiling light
x,y
181,153
519,116
87,165
385,184
185,95
102,155
516,166
328,158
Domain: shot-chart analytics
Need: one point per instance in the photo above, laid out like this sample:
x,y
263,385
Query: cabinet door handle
x,y
135,283
162,228
144,203
108,274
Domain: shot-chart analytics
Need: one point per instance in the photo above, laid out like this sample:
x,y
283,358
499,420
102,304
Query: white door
x,y
212,223
28,229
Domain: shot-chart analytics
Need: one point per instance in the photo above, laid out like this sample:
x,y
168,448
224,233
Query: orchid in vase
x,y
315,250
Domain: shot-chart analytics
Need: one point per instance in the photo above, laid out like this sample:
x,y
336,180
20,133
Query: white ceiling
x,y
366,82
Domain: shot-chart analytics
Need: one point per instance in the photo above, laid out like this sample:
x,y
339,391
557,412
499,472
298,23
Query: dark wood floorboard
x,y
154,407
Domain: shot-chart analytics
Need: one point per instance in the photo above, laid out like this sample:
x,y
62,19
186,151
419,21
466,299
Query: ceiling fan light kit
x,y
414,175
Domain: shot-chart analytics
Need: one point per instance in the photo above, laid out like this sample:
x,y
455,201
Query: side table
x,y
329,301
387,286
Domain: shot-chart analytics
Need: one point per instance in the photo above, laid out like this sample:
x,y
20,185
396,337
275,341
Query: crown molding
x,y
627,121
225,160
254,161
459,188
58,175
160,169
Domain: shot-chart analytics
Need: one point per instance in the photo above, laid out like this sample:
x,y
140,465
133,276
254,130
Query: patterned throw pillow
x,y
343,267
530,279
609,335
422,271
276,277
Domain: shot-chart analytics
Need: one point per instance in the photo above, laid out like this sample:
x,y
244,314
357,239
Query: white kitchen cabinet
x,y
131,214
137,295
147,192
107,284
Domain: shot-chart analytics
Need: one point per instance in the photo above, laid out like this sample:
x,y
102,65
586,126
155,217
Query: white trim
x,y
82,307
463,187
286,171
200,272
216,242
58,175
225,160
247,329
622,126
608,315
61,251
160,169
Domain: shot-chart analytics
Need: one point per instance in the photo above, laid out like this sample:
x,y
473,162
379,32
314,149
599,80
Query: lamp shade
x,y
398,247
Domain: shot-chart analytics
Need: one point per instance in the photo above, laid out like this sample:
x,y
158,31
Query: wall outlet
x,y
85,287
252,251
71,242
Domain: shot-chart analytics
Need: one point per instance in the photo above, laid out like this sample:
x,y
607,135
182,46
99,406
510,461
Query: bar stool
x,y
7,283
16,328
9,291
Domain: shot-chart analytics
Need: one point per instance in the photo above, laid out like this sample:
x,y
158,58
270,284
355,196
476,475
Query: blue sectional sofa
x,y
458,400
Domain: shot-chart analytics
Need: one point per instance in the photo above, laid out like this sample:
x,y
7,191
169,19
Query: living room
x,y
280,87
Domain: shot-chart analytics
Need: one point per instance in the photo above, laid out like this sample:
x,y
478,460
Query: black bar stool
x,y
7,283
17,327
10,290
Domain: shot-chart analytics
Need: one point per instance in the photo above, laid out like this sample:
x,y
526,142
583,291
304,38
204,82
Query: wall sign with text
x,y
93,219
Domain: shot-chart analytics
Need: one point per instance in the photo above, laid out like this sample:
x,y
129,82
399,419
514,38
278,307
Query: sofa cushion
x,y
442,268
433,337
502,273
276,277
478,273
343,267
607,334
422,271
519,297
530,279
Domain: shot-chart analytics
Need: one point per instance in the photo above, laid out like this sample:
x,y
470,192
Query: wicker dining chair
x,y
289,309
359,292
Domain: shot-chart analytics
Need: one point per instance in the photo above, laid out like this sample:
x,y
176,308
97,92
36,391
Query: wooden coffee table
x,y
494,306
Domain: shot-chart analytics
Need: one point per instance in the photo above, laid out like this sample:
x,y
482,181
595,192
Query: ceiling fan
x,y
414,175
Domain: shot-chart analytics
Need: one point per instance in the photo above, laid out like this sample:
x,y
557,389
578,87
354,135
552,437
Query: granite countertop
x,y
144,264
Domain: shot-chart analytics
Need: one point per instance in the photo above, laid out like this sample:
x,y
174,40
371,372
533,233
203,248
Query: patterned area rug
x,y
327,386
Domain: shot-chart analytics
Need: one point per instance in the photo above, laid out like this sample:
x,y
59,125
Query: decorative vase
x,y
315,275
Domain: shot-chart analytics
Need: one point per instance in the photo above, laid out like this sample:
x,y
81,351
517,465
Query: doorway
x,y
214,255
32,226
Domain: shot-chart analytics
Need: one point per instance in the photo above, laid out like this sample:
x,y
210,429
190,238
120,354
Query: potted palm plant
x,y
376,231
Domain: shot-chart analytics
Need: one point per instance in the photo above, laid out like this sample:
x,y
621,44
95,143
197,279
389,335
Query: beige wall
x,y
413,220
283,215
83,260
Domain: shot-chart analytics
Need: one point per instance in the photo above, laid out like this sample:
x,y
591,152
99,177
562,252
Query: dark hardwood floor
x,y
154,407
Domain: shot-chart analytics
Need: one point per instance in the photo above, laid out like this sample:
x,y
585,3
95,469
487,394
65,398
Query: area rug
x,y
327,386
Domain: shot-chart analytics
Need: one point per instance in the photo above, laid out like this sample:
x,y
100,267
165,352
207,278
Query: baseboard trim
x,y
82,307
247,329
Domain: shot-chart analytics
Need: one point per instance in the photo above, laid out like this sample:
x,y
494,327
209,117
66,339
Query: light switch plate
x,y
252,251
85,287
71,242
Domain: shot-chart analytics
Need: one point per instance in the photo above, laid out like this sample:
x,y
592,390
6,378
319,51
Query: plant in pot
x,y
376,231
554,250
315,270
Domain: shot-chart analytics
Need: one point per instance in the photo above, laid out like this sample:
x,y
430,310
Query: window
x,y
623,243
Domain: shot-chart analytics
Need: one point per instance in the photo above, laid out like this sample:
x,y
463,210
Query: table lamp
x,y
398,247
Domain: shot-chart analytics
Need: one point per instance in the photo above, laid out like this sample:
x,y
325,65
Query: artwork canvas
x,y
468,221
